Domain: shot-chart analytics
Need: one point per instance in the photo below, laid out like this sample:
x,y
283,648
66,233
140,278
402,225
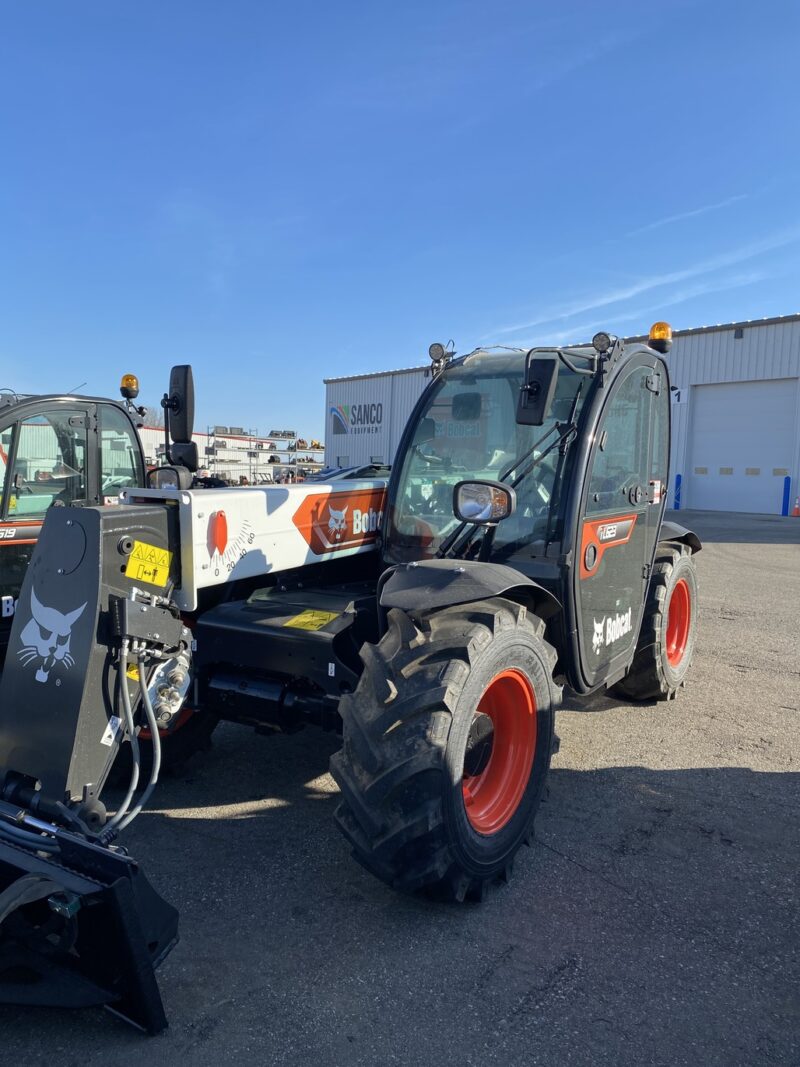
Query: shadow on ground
x,y
656,908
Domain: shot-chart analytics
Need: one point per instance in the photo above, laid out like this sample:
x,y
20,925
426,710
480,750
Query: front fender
x,y
442,583
672,531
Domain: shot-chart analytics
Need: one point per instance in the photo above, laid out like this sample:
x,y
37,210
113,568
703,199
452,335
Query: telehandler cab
x,y
520,546
58,449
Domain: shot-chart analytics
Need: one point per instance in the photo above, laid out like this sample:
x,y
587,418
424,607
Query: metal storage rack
x,y
234,453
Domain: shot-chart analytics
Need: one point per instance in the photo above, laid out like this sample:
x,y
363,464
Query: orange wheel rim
x,y
679,619
500,752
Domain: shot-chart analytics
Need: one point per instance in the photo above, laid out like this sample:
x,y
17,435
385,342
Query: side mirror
x,y
483,503
185,455
169,478
538,389
179,404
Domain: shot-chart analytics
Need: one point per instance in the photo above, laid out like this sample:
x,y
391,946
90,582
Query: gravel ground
x,y
654,920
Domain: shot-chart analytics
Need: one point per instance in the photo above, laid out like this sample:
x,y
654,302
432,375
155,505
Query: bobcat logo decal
x,y
46,638
611,628
337,523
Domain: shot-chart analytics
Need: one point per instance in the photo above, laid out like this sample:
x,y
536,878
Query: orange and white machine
x,y
231,534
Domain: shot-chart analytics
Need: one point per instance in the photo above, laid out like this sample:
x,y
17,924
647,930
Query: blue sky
x,y
282,192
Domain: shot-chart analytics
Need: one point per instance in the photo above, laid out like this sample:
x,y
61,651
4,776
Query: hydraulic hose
x,y
134,741
156,739
17,836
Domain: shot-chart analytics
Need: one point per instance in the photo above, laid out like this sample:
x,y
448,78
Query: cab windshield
x,y
468,430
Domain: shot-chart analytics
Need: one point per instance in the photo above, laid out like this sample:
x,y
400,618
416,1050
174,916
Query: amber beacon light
x,y
129,386
661,336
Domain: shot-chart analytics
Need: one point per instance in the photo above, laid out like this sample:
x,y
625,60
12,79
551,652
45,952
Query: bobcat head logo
x,y
597,636
337,523
46,638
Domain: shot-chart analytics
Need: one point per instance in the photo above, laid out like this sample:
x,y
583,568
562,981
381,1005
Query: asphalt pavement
x,y
654,920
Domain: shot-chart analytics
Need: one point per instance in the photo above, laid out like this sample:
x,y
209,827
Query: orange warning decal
x,y
330,522
601,534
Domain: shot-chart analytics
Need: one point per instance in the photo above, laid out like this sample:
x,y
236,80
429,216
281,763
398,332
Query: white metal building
x,y
736,416
365,414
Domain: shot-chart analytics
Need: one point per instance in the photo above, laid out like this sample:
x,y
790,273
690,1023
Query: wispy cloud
x,y
787,236
584,330
687,214
549,69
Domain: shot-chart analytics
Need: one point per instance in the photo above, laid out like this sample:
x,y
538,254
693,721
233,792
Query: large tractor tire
x,y
669,629
447,743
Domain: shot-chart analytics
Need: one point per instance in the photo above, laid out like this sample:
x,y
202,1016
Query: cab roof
x,y
10,399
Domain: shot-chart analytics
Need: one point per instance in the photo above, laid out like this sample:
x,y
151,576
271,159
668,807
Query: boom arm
x,y
230,534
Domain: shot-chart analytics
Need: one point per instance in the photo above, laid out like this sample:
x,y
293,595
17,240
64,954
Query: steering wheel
x,y
432,461
116,484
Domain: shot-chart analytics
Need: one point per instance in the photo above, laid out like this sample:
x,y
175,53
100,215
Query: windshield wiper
x,y
460,538
521,459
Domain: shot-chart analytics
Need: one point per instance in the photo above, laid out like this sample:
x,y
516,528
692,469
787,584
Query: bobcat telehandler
x,y
520,546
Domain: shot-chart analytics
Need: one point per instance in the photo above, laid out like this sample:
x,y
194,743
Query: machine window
x,y
622,457
119,452
469,431
5,447
49,464
659,460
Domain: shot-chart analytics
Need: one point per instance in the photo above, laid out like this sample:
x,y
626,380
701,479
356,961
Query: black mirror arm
x,y
589,371
486,544
448,544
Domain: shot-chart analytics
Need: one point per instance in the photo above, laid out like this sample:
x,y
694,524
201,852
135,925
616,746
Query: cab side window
x,y
119,452
5,448
49,464
659,460
622,457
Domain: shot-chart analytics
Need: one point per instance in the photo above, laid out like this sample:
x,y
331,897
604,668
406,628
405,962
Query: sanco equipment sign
x,y
356,418
365,414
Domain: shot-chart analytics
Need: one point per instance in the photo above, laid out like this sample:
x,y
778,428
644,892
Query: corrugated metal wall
x,y
716,355
365,416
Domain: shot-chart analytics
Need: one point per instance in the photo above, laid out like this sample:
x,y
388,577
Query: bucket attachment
x,y
81,926
95,647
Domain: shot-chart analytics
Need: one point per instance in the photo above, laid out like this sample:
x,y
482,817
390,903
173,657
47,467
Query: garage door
x,y
741,445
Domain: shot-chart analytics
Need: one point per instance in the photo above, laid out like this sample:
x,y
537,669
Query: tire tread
x,y
396,729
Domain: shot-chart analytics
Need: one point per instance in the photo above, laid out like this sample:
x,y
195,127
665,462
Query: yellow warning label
x,y
312,620
133,672
148,563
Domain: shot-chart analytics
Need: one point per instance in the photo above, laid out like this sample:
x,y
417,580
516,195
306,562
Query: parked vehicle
x,y
520,545
340,474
